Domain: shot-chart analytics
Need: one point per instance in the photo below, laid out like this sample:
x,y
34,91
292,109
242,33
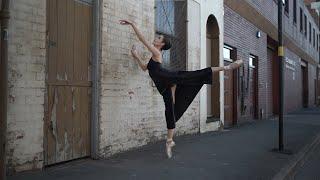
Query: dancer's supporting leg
x,y
170,143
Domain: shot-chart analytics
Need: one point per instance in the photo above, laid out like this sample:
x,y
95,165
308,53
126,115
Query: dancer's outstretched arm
x,y
138,58
155,52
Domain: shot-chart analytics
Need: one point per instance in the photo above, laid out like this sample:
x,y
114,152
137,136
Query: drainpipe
x,y
4,17
96,49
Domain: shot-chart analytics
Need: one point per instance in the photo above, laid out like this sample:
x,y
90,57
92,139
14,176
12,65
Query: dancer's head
x,y
162,42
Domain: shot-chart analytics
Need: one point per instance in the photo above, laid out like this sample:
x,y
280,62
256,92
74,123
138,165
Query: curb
x,y
288,171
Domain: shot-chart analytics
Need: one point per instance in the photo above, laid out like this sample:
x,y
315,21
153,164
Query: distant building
x,y
251,34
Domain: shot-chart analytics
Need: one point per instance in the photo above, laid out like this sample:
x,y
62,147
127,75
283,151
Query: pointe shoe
x,y
169,145
236,64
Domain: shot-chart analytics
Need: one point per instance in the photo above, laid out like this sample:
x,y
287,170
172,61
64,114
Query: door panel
x,y
228,97
69,83
305,90
253,100
275,85
269,85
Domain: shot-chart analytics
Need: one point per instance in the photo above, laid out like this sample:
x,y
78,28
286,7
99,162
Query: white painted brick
x,y
26,84
130,120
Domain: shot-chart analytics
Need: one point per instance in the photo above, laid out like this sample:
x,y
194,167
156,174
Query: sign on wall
x,y
291,64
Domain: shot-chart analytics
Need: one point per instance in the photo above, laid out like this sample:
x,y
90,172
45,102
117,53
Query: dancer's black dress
x,y
188,84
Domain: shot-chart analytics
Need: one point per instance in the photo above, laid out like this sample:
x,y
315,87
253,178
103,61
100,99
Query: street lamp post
x,y
280,58
280,149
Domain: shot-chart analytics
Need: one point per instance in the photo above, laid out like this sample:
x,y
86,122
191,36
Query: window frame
x,y
295,12
310,33
305,26
314,37
286,8
301,20
173,34
317,42
251,59
225,46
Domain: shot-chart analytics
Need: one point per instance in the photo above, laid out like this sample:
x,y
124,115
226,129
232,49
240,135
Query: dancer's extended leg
x,y
233,65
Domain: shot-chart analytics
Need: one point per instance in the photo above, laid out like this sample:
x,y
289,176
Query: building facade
x,y
251,34
74,89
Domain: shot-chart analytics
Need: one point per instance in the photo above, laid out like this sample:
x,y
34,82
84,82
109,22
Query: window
x,y
305,26
252,61
227,53
317,42
295,11
170,20
301,20
286,7
310,32
314,37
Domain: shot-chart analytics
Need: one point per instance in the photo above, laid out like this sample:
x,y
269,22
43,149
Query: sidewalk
x,y
242,153
310,168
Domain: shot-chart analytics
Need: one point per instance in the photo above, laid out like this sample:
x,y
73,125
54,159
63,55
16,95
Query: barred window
x,y
170,20
305,26
310,32
317,42
301,20
314,37
295,11
286,7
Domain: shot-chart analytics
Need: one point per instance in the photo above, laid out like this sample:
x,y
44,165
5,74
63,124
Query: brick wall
x,y
312,85
269,10
241,34
293,82
27,61
132,111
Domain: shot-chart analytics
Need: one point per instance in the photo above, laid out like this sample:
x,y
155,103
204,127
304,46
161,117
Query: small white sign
x,y
291,64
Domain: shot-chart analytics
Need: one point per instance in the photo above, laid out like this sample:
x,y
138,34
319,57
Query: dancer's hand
x,y
134,52
126,22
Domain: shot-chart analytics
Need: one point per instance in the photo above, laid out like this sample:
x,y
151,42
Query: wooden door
x,y
228,97
67,126
253,74
304,83
275,84
318,87
269,85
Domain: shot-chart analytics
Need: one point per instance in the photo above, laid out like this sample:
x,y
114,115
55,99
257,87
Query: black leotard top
x,y
156,72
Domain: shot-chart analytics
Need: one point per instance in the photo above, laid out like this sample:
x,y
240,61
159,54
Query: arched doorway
x,y
212,50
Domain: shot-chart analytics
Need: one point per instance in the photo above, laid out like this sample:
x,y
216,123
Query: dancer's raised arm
x,y
155,52
138,58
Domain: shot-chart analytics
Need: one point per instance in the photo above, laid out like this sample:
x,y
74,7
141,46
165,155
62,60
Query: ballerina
x,y
178,88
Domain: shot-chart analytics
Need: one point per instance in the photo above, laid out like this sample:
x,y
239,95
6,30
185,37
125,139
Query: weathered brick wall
x,y
132,111
27,29
241,34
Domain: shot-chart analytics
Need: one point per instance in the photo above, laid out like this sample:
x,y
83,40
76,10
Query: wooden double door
x,y
230,97
68,105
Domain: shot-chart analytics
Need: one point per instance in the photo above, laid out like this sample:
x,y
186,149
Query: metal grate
x,y
170,20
